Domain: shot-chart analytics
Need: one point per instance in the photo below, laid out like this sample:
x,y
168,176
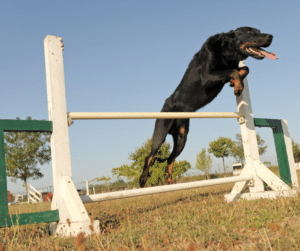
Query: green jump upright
x,y
21,219
281,150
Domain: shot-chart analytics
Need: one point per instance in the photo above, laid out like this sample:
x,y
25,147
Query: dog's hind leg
x,y
162,127
179,137
179,131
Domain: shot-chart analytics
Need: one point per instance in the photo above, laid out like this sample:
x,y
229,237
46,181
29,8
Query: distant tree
x,y
157,171
23,152
204,163
296,151
237,151
221,148
119,181
267,163
180,167
103,178
125,171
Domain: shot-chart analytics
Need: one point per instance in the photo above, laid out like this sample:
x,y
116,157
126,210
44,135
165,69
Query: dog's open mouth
x,y
260,53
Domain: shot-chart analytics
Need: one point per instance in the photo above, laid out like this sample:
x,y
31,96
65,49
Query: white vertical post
x,y
87,187
249,140
57,110
73,217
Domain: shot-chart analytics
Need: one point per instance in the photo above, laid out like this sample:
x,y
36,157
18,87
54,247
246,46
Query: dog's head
x,y
249,42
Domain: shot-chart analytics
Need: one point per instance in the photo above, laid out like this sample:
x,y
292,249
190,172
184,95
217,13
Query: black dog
x,y
213,66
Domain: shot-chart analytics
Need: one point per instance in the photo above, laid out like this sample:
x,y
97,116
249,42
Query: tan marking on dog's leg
x,y
242,72
149,160
234,78
169,173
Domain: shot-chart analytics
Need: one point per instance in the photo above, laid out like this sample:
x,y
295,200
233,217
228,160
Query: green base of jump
x,y
282,157
29,218
7,220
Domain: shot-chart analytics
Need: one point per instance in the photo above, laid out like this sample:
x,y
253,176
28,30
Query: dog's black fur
x,y
213,66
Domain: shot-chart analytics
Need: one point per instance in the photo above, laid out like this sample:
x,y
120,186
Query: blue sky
x,y
129,56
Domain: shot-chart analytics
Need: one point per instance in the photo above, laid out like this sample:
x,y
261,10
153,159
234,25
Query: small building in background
x,y
237,168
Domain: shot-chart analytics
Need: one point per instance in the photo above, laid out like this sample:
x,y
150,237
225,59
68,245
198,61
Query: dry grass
x,y
197,219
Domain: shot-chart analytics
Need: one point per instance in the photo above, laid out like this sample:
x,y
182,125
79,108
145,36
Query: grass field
x,y
197,219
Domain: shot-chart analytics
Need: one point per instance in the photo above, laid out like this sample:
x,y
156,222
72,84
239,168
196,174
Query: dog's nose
x,y
270,37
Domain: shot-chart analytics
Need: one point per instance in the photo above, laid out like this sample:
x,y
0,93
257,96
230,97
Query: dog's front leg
x,y
237,78
234,76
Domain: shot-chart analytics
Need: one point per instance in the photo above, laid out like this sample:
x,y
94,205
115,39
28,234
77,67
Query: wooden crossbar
x,y
151,115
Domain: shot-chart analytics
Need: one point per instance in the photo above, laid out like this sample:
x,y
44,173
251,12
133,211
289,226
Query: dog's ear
x,y
228,38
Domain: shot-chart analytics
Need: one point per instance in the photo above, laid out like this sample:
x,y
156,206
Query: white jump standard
x,y
73,218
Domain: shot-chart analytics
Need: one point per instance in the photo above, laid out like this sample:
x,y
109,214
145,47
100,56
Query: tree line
x,y
25,150
221,148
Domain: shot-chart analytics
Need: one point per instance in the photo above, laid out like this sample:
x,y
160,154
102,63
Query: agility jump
x,y
73,217
67,207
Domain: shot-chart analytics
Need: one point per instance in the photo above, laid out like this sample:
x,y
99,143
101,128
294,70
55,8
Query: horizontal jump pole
x,y
151,115
161,189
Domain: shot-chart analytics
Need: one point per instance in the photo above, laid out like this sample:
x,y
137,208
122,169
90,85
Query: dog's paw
x,y
231,83
238,86
169,181
143,180
238,89
142,183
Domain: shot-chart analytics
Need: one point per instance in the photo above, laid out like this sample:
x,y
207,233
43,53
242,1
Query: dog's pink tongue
x,y
269,55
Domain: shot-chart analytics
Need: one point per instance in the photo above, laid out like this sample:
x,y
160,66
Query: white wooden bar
x,y
150,115
162,189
